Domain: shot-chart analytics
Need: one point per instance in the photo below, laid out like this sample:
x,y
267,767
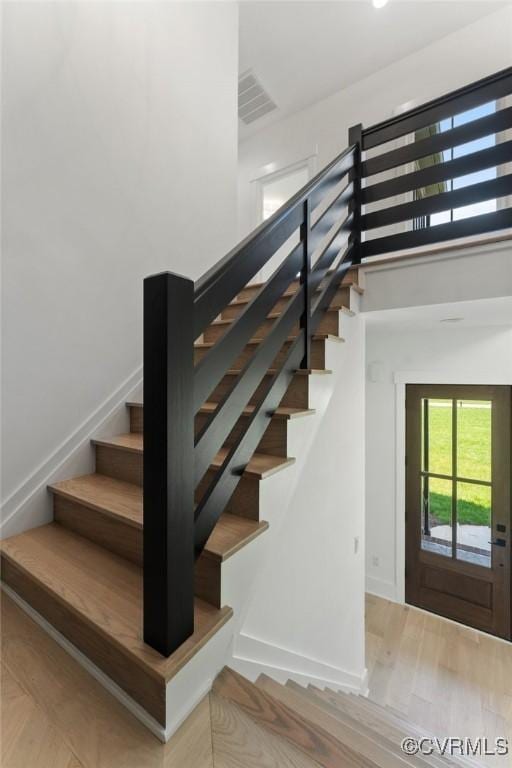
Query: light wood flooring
x,y
447,678
450,679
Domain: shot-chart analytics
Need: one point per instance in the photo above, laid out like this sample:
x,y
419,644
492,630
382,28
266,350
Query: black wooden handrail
x,y
487,89
184,489
218,286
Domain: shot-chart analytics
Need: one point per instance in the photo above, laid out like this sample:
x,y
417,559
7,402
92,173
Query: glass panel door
x,y
456,479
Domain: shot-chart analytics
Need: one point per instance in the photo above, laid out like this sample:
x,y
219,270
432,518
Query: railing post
x,y
305,321
168,491
355,137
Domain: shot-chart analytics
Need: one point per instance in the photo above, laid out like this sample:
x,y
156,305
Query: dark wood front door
x,y
458,504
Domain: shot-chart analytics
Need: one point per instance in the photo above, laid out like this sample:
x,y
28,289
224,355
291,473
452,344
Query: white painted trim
x,y
275,169
139,712
309,162
177,716
401,378
449,377
455,249
257,656
381,588
40,477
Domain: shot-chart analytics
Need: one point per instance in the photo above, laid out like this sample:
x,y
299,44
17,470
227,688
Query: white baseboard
x,y
253,657
381,588
28,505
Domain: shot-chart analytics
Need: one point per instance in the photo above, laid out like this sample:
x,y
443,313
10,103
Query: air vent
x,y
253,100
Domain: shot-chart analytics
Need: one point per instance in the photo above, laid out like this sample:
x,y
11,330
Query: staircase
x,y
229,365
83,572
267,723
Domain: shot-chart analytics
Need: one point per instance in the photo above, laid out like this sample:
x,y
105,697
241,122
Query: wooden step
x,y
94,599
346,708
273,442
109,513
349,281
317,351
341,302
330,324
239,742
284,722
296,396
368,745
391,719
120,457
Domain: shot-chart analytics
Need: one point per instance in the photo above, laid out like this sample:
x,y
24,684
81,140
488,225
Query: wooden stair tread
x,y
369,745
343,707
105,591
298,372
272,315
260,466
286,723
124,501
245,300
393,719
280,413
256,341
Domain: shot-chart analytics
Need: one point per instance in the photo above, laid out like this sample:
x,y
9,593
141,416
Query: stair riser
x,y
250,290
329,324
127,466
233,310
119,464
273,441
296,396
245,501
317,355
144,689
126,541
342,297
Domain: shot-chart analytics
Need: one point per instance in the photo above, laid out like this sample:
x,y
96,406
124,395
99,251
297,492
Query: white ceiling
x,y
304,51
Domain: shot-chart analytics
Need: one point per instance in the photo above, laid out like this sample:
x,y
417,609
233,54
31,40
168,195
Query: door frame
x,y
494,620
401,379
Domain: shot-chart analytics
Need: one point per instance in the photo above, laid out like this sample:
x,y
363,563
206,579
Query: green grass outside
x,y
473,462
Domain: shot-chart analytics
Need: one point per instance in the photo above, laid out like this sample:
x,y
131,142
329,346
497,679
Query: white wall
x,y
119,160
307,615
442,354
456,60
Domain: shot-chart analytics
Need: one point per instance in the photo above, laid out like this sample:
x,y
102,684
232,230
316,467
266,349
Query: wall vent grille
x,y
253,100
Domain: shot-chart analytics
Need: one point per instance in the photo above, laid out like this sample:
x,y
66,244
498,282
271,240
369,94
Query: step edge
x,y
224,615
214,554
96,507
254,341
271,316
296,413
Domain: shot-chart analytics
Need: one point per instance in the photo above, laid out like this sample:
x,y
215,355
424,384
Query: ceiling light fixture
x,y
379,3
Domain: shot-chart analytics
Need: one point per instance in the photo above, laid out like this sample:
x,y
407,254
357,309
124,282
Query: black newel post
x,y
168,490
355,137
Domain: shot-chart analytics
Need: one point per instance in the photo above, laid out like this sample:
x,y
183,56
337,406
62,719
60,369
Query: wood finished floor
x,y
451,680
54,715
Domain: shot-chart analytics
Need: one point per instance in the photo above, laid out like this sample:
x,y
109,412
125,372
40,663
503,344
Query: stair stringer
x,y
274,645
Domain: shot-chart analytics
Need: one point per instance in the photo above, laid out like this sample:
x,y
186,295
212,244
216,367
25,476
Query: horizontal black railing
x,y
190,474
436,167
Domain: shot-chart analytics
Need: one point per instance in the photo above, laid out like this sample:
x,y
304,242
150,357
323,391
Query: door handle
x,y
499,543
